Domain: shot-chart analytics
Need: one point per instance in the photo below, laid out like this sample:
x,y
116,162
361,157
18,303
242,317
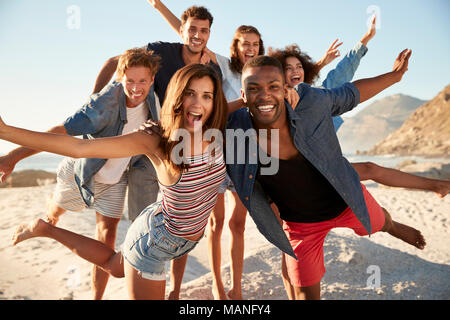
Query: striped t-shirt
x,y
186,205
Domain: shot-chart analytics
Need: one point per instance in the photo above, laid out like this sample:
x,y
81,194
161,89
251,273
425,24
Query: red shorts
x,y
307,241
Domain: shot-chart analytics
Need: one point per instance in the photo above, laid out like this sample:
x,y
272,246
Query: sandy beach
x,y
43,269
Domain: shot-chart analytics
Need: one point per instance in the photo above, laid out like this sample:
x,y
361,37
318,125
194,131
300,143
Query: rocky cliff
x,y
426,132
374,123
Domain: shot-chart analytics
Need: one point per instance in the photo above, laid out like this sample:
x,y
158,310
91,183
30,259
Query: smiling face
x,y
195,34
247,46
198,103
264,95
136,82
294,73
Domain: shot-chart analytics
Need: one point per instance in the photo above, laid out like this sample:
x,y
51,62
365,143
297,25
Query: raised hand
x,y
154,3
371,32
401,63
331,54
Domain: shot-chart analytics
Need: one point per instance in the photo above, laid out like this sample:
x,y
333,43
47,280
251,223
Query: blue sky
x,y
49,62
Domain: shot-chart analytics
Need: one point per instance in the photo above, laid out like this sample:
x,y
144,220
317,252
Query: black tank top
x,y
301,192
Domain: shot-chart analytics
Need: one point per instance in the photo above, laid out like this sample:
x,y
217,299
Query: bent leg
x,y
89,249
396,178
381,220
403,232
106,230
216,221
53,211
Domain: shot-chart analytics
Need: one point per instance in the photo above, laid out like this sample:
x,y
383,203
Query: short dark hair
x,y
196,12
263,61
309,66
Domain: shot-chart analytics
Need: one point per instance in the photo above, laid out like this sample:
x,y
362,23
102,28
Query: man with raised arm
x,y
314,186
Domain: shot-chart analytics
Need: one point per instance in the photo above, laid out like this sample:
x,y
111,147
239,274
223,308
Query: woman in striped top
x,y
189,174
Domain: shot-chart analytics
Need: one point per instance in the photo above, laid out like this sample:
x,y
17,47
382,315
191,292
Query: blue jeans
x,y
148,244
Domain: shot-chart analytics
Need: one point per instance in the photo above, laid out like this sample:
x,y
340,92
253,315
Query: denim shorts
x,y
226,184
148,244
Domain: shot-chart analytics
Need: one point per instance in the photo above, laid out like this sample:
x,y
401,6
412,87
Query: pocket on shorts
x,y
160,243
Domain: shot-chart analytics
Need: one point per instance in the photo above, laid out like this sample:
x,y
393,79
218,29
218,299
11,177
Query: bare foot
x,y
51,219
219,294
407,234
232,295
31,230
173,295
442,188
52,216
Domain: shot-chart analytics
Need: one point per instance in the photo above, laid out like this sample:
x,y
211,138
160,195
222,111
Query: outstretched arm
x,y
171,19
371,32
112,147
396,178
372,86
347,66
9,161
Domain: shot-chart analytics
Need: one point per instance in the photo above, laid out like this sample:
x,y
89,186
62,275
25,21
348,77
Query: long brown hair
x,y
172,109
235,63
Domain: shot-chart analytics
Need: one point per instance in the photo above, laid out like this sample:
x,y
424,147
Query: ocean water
x,y
49,162
391,161
45,161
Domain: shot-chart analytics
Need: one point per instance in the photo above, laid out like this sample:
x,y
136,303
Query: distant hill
x,y
375,122
426,131
29,178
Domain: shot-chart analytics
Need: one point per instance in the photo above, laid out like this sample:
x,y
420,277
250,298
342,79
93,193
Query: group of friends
x,y
130,129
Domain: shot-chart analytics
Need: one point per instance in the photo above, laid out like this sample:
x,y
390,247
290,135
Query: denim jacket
x,y
344,72
313,134
104,115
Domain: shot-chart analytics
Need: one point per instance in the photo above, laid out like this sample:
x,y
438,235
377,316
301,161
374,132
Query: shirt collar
x,y
122,104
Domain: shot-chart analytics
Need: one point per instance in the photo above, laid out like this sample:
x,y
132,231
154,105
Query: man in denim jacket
x,y
272,127
105,115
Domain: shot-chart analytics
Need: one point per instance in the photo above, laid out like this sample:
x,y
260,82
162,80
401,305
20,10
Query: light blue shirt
x,y
104,115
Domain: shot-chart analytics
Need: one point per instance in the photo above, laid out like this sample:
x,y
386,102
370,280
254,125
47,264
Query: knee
x,y
216,223
117,273
387,221
237,225
106,233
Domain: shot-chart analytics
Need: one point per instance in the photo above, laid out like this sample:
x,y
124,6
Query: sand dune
x,y
44,269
